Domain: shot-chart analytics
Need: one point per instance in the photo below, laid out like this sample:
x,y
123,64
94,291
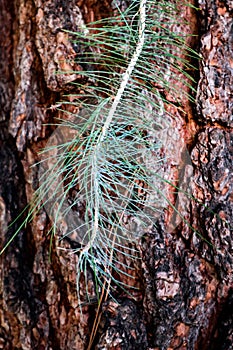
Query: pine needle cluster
x,y
102,184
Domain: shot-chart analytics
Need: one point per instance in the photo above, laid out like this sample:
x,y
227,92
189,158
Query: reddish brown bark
x,y
185,299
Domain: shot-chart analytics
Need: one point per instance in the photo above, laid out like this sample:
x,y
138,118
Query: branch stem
x,y
125,79
126,75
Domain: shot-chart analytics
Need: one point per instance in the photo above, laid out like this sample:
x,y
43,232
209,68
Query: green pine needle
x,y
102,184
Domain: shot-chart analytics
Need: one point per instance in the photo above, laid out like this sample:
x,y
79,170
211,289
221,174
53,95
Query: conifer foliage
x,y
102,184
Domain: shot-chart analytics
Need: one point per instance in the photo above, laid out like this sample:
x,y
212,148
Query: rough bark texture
x,y
186,285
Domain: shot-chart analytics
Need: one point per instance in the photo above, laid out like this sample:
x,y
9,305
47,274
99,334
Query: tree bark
x,y
185,298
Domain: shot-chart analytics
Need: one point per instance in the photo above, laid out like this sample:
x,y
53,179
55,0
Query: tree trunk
x,y
185,299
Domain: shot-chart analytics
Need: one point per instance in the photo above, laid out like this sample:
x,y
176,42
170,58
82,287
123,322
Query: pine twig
x,y
125,79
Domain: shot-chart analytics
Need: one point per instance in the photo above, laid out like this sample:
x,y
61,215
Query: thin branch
x,y
125,79
129,70
124,82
